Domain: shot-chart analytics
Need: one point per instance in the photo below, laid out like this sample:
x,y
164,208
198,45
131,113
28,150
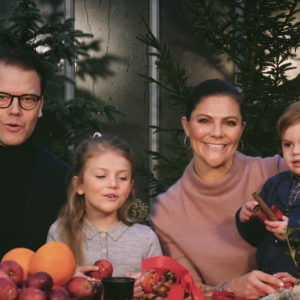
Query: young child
x,y
283,191
94,222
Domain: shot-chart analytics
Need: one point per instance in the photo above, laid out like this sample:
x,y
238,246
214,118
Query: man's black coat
x,y
45,196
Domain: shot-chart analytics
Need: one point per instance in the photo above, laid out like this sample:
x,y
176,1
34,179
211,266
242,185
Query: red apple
x,y
4,275
79,286
105,269
13,269
57,294
8,289
32,293
287,285
59,287
40,280
19,291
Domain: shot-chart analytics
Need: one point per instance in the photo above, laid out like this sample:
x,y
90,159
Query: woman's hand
x,y
256,284
278,227
138,290
246,211
82,270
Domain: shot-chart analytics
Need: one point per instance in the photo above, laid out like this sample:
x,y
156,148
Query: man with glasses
x,y
32,181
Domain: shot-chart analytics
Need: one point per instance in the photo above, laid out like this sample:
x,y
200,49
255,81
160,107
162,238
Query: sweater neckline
x,y
26,150
193,183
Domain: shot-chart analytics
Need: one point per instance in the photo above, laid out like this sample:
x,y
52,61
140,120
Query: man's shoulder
x,y
52,161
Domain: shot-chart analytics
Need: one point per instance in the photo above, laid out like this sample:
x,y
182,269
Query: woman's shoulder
x,y
275,162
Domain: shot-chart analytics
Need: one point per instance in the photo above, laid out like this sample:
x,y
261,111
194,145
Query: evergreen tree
x,y
260,38
63,122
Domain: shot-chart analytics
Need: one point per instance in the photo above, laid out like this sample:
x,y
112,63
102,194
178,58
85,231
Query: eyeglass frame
x,y
19,100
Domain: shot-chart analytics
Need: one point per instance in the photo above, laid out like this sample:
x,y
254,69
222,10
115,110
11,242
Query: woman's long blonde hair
x,y
72,214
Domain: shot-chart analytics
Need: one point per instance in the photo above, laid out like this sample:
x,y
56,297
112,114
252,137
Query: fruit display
x,y
105,269
41,285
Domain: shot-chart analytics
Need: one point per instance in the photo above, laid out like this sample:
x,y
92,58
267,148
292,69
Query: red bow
x,y
278,214
184,280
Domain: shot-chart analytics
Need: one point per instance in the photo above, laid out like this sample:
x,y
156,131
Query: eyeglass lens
x,y
26,101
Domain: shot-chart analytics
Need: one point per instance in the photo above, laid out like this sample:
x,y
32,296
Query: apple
x,y
79,286
13,269
40,280
105,269
287,285
4,275
57,294
59,287
32,293
8,289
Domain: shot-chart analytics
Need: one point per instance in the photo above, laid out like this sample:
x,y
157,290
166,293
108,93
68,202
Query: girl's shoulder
x,y
140,229
55,225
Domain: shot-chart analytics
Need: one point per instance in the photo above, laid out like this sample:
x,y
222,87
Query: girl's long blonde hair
x,y
72,214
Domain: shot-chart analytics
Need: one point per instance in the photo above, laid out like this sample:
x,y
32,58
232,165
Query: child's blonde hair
x,y
72,214
290,116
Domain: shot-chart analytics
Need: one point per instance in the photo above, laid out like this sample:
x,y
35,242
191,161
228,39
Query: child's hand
x,y
138,290
246,211
287,279
82,270
278,227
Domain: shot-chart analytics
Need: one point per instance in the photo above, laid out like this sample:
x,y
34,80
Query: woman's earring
x,y
242,145
184,142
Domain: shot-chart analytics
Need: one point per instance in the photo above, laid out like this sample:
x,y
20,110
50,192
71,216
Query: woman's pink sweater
x,y
195,219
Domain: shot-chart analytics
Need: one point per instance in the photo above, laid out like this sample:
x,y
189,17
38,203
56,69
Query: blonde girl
x,y
94,221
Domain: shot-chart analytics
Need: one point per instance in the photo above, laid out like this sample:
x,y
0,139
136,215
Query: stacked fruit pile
x,y
40,275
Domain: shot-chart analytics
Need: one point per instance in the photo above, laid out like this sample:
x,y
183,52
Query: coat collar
x,y
295,179
115,232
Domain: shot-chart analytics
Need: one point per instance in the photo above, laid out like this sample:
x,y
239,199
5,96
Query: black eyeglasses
x,y
26,101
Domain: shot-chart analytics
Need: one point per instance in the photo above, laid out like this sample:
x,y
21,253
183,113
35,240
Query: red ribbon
x,y
184,280
278,214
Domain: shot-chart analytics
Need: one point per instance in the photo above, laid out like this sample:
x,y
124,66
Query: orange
x,y
56,259
22,256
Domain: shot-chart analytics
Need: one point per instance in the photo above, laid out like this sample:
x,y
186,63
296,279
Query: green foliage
x,y
293,245
63,122
260,38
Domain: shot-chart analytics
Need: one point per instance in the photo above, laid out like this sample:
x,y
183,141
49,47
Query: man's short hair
x,y
25,59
